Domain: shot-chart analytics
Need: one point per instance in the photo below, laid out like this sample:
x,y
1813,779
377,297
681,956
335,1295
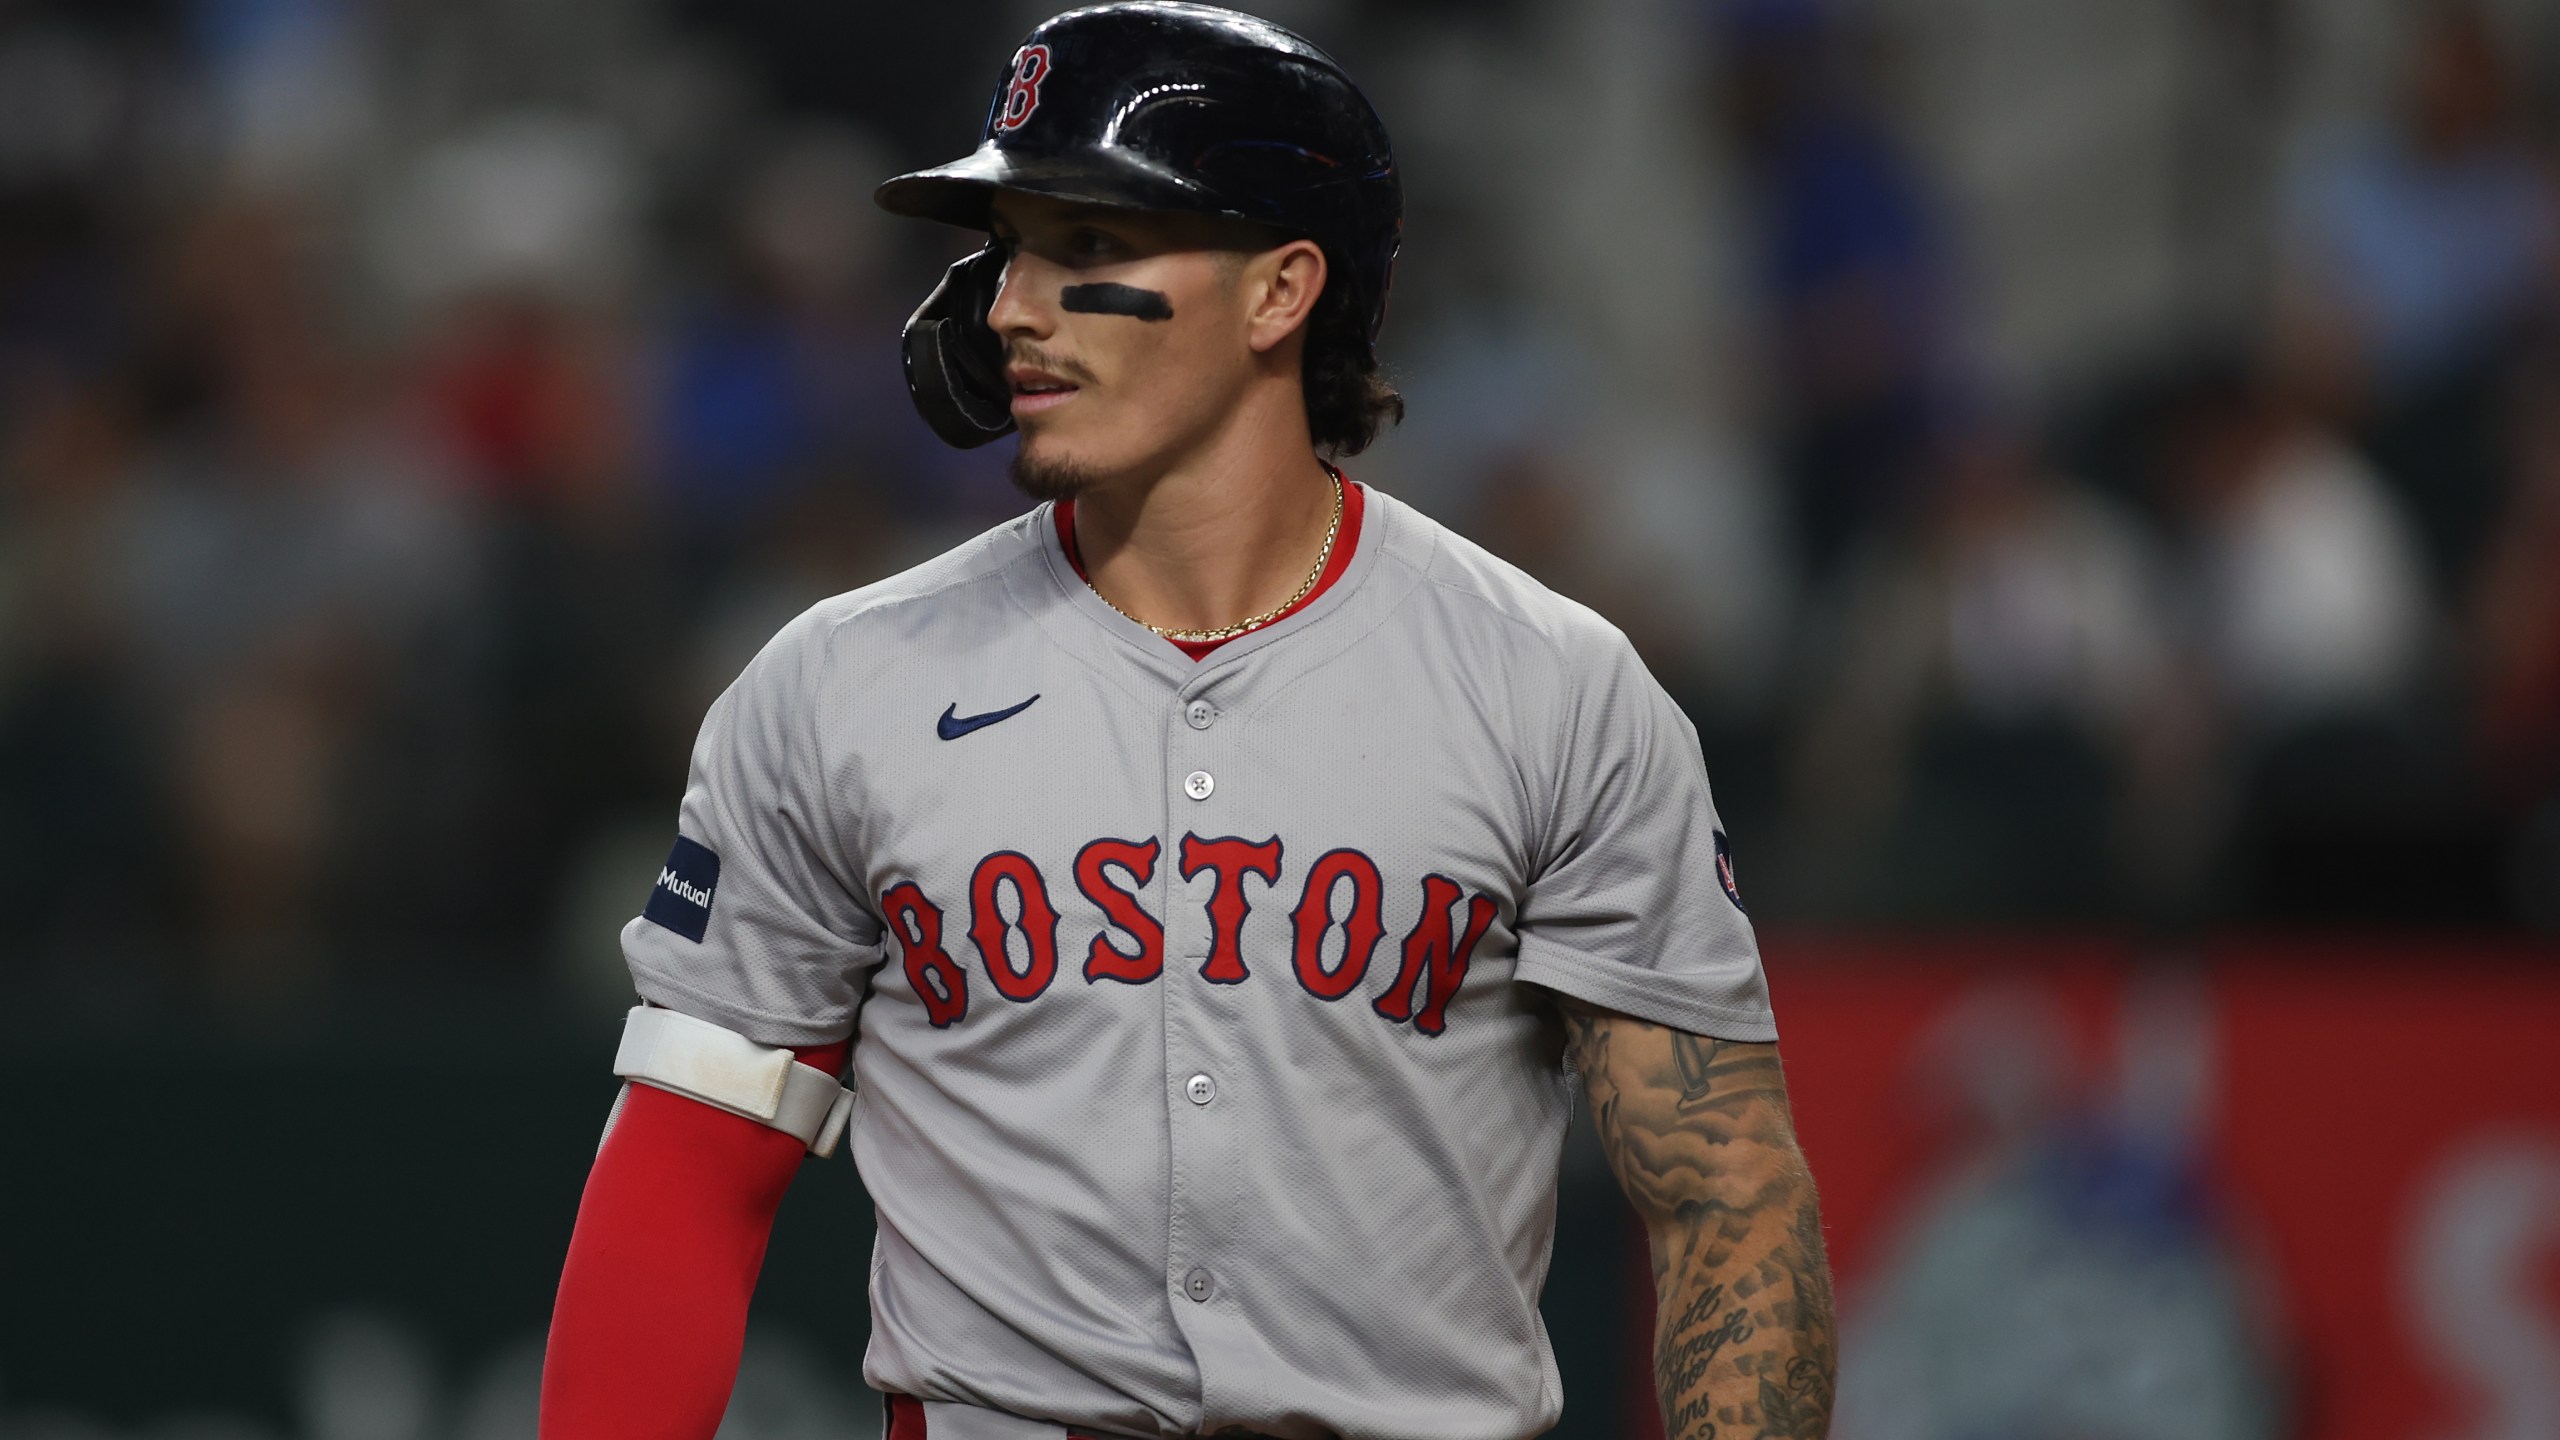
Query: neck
x,y
1226,532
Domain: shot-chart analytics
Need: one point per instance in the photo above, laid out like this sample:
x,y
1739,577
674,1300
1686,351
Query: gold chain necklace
x,y
1229,632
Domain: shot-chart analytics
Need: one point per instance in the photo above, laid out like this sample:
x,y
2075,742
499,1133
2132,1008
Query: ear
x,y
1280,288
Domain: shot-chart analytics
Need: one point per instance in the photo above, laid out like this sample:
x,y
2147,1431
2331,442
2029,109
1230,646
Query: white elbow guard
x,y
727,1071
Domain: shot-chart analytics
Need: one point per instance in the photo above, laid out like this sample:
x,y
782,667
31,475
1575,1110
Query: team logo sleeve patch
x,y
1724,872
681,900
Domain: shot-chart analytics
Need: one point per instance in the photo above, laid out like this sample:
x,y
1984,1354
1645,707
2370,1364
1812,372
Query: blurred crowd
x,y
412,415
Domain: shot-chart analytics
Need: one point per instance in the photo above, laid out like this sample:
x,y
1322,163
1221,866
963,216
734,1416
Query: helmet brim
x,y
959,193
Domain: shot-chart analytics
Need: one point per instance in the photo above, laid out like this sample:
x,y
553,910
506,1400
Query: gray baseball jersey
x,y
1208,1075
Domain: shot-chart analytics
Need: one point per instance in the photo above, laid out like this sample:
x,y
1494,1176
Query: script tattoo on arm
x,y
1699,1133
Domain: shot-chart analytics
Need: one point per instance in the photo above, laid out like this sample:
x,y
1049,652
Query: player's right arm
x,y
652,1310
753,928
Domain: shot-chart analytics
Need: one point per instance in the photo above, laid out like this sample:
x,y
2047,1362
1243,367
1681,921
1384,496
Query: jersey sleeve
x,y
1633,906
752,922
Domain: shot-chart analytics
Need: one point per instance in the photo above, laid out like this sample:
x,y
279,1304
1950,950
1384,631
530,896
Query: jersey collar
x,y
1089,612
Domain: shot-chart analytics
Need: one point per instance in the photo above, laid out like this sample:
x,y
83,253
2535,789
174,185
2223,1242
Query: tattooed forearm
x,y
1693,1054
1698,1132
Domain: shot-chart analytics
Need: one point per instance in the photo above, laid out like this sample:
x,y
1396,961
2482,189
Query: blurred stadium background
x,y
2091,470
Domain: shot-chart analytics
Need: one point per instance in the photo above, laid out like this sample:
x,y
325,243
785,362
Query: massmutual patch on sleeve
x,y
681,901
1724,872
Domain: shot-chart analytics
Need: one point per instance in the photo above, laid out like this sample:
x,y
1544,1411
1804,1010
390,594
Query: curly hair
x,y
1348,400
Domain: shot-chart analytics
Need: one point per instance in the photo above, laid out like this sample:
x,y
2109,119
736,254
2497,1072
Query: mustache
x,y
1022,352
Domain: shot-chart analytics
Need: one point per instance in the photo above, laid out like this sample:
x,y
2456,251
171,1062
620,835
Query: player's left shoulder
x,y
1458,576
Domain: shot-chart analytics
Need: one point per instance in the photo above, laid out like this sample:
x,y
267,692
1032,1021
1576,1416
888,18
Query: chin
x,y
1043,469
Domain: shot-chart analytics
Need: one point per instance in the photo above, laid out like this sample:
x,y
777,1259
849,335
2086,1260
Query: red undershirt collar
x,y
1344,545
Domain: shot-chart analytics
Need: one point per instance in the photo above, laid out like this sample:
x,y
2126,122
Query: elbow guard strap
x,y
727,1071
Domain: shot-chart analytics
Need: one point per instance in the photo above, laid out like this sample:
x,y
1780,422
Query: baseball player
x,y
1221,879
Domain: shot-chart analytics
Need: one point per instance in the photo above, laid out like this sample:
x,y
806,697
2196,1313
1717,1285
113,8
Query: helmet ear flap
x,y
954,361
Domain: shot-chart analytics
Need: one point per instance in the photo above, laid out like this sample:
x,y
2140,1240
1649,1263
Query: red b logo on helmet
x,y
1023,95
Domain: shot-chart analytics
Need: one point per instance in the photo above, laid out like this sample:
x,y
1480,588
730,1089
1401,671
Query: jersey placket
x,y
1206,1101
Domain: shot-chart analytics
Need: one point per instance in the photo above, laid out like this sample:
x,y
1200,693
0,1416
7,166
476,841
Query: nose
x,y
1021,305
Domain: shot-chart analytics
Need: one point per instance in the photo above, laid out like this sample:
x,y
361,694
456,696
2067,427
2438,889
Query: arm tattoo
x,y
1699,1134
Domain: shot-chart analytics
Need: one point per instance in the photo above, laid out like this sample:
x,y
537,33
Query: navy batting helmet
x,y
1152,105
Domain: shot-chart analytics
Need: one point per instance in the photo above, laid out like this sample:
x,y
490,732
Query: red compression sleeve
x,y
652,1312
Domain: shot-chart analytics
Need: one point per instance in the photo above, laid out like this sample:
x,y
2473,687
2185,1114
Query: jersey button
x,y
1197,784
1201,1089
1196,1284
1201,714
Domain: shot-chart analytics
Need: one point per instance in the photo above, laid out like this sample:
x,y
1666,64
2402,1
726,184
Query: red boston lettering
x,y
1360,929
1429,950
936,978
1039,925
1230,859
1106,961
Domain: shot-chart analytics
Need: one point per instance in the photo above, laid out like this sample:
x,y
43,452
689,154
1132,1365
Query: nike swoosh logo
x,y
952,726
